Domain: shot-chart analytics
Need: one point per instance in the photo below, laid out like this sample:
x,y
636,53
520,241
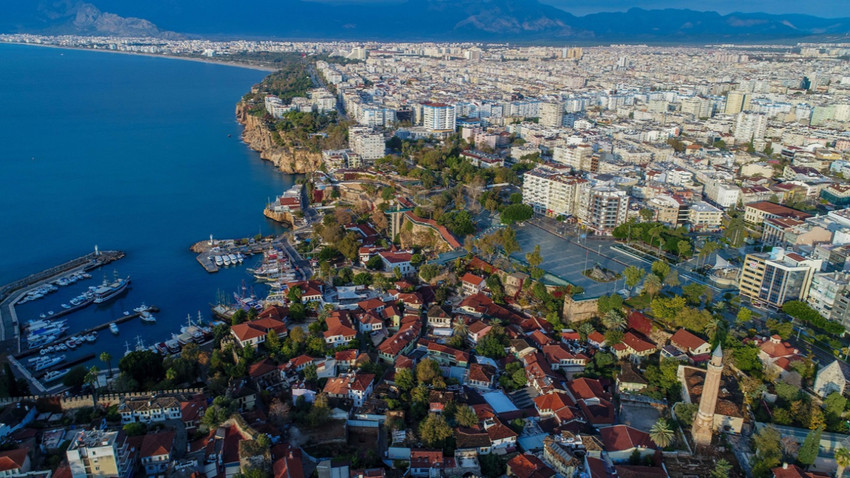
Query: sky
x,y
820,8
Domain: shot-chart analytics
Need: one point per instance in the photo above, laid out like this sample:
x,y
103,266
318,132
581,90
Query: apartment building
x,y
602,208
366,143
578,157
98,453
438,117
551,191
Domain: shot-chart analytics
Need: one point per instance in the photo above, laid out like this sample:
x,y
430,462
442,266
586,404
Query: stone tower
x,y
703,426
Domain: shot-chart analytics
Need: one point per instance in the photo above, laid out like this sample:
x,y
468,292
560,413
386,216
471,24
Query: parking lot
x,y
567,259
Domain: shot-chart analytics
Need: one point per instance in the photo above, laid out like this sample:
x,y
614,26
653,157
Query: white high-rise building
x,y
750,127
551,191
438,117
367,143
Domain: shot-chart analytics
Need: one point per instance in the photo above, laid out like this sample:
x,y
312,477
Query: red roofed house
x,y
156,451
345,358
690,343
15,462
253,333
427,462
633,346
528,466
596,339
562,359
287,462
622,440
776,354
476,331
480,376
340,330
794,471
392,259
361,388
471,284
555,404
501,436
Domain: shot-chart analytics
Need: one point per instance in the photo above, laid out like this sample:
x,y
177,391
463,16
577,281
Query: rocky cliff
x,y
287,158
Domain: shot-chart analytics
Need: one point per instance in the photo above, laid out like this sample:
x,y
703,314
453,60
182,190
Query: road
x,y
316,78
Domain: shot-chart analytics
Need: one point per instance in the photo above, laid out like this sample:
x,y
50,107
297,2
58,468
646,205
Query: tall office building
x,y
98,453
438,117
736,101
775,278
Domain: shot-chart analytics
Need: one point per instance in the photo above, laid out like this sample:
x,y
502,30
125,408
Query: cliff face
x,y
287,158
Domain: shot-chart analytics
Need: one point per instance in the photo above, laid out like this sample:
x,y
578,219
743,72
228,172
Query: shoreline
x,y
234,64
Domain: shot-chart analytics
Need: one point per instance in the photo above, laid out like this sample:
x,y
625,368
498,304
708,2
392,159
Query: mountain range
x,y
526,21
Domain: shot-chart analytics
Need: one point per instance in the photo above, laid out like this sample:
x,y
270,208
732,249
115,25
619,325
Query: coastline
x,y
234,64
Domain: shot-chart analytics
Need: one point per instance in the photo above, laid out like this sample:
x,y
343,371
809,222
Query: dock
x,y
10,293
207,250
96,328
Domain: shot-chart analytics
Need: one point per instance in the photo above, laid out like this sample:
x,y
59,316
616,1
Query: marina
x,y
12,293
214,254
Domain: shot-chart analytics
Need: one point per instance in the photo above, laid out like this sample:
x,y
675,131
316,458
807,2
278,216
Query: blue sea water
x,y
132,153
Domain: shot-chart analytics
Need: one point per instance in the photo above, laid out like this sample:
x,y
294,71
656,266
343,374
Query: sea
x,y
130,153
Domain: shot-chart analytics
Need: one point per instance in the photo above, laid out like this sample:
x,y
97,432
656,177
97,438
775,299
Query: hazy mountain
x,y
414,20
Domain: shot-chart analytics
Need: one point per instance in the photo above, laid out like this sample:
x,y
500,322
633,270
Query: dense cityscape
x,y
500,260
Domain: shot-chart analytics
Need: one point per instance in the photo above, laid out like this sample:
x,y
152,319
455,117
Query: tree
x,y
652,285
585,329
613,336
706,250
614,319
75,377
809,449
646,214
721,469
744,316
834,405
107,359
842,458
465,416
135,429
672,278
427,371
404,379
509,242
516,213
660,268
609,302
768,450
686,412
661,433
633,276
491,346
534,260
434,431
684,248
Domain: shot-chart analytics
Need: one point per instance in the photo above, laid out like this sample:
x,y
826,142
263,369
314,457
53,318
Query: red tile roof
x,y
686,341
157,444
13,459
624,437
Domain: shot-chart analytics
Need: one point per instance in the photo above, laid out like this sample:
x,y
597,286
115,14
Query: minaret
x,y
703,426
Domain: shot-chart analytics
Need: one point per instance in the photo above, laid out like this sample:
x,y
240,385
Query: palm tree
x,y
459,328
842,458
92,379
586,329
655,233
652,285
107,359
712,327
721,469
614,319
661,433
